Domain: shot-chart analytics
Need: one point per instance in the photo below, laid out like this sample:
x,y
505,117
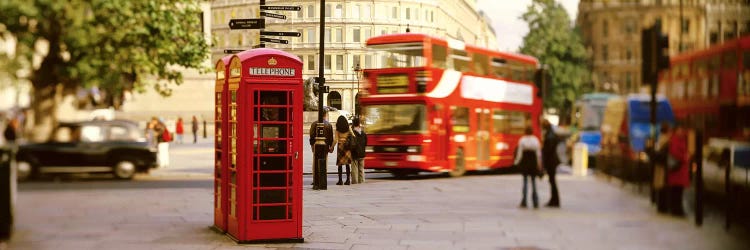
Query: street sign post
x,y
251,23
274,40
278,33
273,15
285,8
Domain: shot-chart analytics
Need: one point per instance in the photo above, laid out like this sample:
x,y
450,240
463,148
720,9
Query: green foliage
x,y
113,44
559,47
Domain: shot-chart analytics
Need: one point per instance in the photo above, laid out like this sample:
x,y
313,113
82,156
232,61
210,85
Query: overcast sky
x,y
505,15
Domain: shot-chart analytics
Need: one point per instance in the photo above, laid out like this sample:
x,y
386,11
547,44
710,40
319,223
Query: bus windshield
x,y
395,119
399,55
591,115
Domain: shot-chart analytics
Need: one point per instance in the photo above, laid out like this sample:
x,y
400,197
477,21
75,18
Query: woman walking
x,y
528,159
343,155
195,129
179,130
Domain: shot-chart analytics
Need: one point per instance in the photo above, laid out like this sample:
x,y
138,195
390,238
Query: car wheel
x,y
460,168
24,170
124,169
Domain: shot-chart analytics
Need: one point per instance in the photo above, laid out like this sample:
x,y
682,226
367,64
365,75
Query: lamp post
x,y
357,72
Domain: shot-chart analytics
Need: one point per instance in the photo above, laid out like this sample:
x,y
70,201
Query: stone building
x,y
348,26
612,33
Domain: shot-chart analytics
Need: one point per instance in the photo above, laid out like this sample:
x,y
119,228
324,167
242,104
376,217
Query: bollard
x,y
580,159
7,192
204,129
320,181
727,156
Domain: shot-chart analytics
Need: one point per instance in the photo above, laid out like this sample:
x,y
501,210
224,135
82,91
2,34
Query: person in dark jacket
x,y
194,124
528,160
328,134
358,154
550,161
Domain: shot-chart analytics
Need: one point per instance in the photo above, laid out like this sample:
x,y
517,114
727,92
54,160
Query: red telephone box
x,y
265,147
221,168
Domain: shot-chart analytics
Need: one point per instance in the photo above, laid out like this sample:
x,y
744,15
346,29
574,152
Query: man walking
x,y
195,129
550,161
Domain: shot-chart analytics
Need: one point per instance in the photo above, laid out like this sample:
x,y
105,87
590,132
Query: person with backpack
x,y
342,137
358,152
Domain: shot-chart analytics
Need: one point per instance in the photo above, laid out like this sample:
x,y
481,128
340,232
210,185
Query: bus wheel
x,y
400,173
460,168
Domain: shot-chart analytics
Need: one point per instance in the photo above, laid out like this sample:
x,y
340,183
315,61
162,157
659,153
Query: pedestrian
x,y
343,154
195,129
358,153
550,161
162,142
661,149
678,165
11,131
328,134
179,130
528,160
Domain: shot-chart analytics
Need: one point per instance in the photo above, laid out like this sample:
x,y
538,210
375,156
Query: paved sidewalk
x,y
471,212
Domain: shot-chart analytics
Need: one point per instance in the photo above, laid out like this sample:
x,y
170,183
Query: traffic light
x,y
538,78
647,55
662,50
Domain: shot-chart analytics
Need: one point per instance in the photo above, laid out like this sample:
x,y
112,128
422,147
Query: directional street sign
x,y
274,40
267,14
252,23
233,51
287,8
277,33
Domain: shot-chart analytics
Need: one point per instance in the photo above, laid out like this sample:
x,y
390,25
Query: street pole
x,y
357,71
321,148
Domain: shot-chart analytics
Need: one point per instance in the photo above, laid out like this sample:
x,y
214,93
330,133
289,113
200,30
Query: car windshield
x,y
399,55
395,119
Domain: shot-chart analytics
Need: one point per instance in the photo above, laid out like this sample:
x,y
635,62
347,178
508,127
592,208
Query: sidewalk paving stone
x,y
471,212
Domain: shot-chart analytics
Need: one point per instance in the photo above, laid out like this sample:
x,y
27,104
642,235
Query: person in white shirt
x,y
528,160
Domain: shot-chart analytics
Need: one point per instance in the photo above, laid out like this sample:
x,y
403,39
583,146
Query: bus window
x,y
439,55
530,71
729,60
396,119
460,119
400,55
510,122
480,64
744,88
461,61
500,68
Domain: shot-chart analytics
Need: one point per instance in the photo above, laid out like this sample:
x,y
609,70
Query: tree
x,y
559,48
116,45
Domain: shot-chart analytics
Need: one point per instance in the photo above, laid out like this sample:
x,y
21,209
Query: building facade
x,y
611,31
348,26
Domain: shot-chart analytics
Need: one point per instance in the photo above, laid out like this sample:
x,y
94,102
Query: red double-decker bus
x,y
440,105
710,89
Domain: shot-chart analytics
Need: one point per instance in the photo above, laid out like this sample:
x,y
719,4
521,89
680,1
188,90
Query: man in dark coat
x,y
328,133
550,161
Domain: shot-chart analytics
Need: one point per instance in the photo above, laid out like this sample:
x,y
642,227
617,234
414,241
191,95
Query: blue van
x,y
625,129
